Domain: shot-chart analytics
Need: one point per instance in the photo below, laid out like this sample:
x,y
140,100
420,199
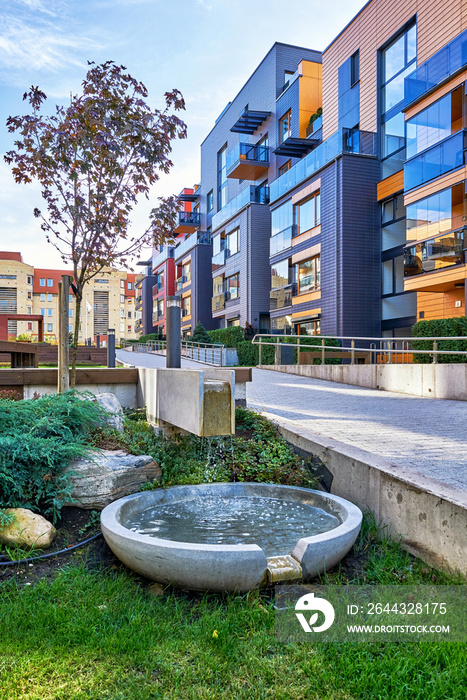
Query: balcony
x,y
247,161
435,254
250,195
450,59
157,288
188,221
180,281
218,260
436,161
282,240
351,141
198,238
162,255
282,297
218,302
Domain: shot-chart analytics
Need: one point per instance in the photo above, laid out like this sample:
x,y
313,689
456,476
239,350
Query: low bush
x,y
248,353
440,327
38,438
230,337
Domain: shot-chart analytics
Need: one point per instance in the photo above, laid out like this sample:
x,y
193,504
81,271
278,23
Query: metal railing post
x,y
323,357
435,356
259,359
352,352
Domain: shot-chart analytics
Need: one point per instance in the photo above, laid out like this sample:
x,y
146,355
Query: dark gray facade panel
x,y
258,262
201,262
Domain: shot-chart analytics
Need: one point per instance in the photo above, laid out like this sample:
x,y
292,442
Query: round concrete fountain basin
x,y
226,567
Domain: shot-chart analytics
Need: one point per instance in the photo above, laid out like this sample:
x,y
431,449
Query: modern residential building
x,y
239,160
108,300
333,186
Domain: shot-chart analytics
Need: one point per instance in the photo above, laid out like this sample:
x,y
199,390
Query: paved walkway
x,y
428,435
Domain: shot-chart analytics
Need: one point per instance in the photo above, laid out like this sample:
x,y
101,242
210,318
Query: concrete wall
x,y
429,517
125,393
434,381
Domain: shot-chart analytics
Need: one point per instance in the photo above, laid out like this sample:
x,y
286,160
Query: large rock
x,y
113,407
107,475
28,530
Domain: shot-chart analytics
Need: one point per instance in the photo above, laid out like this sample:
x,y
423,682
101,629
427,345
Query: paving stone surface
x,y
428,435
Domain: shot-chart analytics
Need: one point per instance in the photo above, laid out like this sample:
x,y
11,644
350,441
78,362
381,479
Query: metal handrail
x,y
210,353
390,350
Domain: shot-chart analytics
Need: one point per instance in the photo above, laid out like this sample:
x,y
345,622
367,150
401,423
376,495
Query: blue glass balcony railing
x,y
443,64
188,218
218,260
163,255
281,241
342,141
198,238
282,297
435,254
250,195
436,161
245,153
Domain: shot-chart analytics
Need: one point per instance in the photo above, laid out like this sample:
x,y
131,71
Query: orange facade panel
x,y
440,281
437,24
390,185
440,305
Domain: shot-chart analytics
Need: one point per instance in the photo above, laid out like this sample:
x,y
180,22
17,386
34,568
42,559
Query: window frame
x,y
287,116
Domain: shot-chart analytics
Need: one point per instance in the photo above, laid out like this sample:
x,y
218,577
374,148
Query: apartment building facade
x,y
108,301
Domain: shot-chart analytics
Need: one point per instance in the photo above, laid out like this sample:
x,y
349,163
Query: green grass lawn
x,y
106,635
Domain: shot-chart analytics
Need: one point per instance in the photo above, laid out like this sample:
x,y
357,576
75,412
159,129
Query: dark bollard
x,y
98,341
111,347
174,318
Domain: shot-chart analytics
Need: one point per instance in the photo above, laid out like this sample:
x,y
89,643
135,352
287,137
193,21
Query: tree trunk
x,y
75,343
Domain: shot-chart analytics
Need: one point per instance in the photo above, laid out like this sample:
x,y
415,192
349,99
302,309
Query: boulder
x,y
107,475
28,529
112,405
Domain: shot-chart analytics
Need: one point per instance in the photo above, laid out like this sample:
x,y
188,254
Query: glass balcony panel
x,y
435,254
250,195
444,63
282,297
218,302
281,241
438,160
218,260
187,221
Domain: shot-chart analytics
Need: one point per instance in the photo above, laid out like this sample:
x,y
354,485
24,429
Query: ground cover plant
x,y
37,439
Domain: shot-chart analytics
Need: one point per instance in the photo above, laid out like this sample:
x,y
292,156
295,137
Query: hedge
x,y
230,337
248,354
440,327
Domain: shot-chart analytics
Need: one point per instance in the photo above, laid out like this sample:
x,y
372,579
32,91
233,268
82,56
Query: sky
x,y
207,49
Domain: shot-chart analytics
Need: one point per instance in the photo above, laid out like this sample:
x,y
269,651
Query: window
x,y
221,178
122,313
29,295
309,328
308,213
122,298
70,298
42,312
209,201
29,326
42,282
233,322
285,129
433,124
354,68
129,286
439,213
129,329
264,141
129,314
233,286
29,310
280,274
49,297
70,328
49,312
29,279
50,327
70,313
283,169
232,243
281,218
122,284
122,327
50,282
309,275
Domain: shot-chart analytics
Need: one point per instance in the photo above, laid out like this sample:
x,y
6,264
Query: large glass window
x,y
233,286
221,178
209,201
285,128
232,242
435,123
308,213
309,275
281,218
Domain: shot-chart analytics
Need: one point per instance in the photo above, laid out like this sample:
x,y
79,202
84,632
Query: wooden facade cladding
x,y
437,185
306,314
437,281
390,185
376,23
434,305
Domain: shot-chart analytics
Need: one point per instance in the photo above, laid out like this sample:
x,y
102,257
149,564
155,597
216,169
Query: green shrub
x,y
148,338
440,327
38,438
230,337
256,453
200,334
248,353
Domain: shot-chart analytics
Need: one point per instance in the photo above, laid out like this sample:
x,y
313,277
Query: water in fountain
x,y
273,524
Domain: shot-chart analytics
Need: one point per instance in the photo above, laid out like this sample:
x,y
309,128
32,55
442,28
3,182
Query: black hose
x,y
51,554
